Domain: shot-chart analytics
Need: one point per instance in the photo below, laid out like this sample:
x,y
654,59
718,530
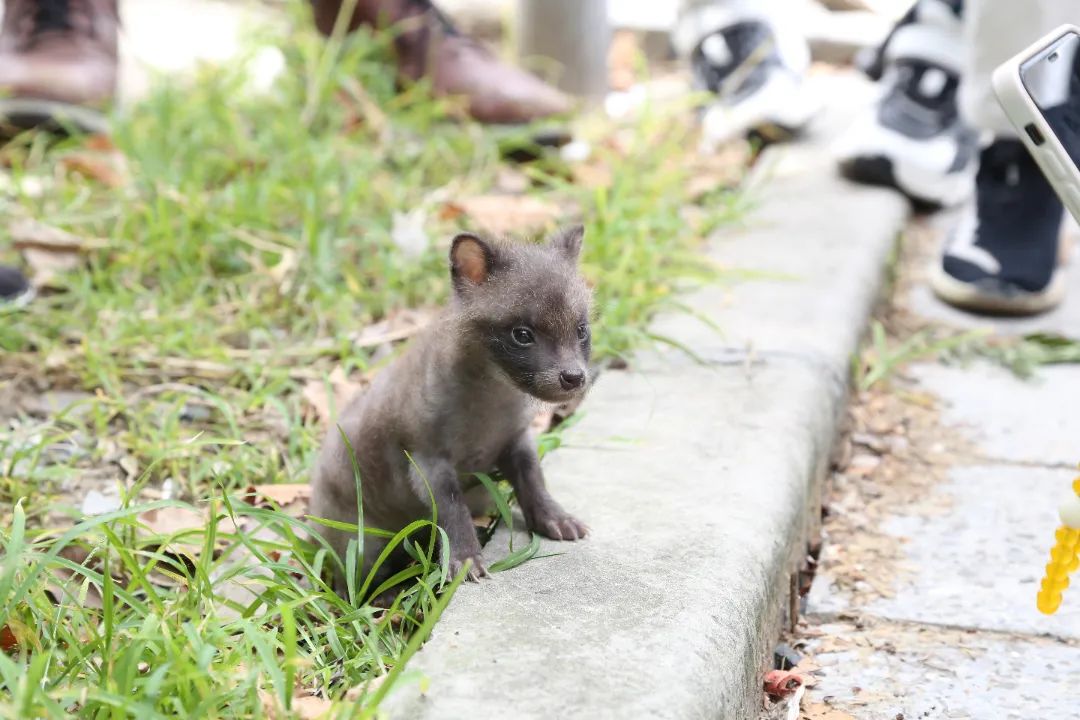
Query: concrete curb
x,y
699,482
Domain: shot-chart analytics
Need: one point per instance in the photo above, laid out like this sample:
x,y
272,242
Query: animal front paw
x,y
476,571
558,525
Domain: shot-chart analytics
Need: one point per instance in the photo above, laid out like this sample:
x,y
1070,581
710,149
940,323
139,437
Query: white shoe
x,y
753,69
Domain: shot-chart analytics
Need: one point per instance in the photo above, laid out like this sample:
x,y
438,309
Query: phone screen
x,y
1052,78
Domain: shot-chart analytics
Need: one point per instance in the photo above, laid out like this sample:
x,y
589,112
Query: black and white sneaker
x,y
913,138
1002,257
754,70
14,288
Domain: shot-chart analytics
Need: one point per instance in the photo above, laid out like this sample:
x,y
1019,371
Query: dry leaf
x,y
358,692
318,398
99,142
394,327
504,214
48,250
8,642
28,233
304,706
170,520
47,266
68,587
108,168
450,211
309,707
592,175
290,497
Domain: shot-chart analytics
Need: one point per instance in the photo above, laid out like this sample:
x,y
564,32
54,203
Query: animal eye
x,y
523,336
582,331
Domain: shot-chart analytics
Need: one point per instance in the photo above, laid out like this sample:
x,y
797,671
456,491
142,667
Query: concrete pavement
x,y
954,633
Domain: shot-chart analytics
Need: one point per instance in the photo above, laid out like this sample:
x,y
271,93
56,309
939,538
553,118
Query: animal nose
x,y
571,380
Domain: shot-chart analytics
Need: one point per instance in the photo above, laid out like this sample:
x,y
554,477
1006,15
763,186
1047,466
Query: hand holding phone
x,y
1039,89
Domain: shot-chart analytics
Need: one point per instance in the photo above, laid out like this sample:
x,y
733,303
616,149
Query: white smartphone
x,y
1039,90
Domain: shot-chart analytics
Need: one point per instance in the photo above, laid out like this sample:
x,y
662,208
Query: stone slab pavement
x,y
960,636
934,673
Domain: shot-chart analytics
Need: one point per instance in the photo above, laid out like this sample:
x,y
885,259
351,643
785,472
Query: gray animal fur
x,y
460,399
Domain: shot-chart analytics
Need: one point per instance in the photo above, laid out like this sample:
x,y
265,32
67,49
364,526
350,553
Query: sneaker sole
x,y
19,301
964,296
27,114
880,171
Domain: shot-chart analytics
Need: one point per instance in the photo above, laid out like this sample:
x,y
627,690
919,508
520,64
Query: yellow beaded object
x,y
1064,556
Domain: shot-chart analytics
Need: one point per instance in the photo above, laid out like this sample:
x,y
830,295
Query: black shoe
x,y
1002,258
14,287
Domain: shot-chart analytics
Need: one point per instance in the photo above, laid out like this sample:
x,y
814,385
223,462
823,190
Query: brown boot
x,y
429,45
57,61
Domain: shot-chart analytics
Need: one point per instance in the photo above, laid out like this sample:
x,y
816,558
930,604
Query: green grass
x,y
879,359
252,241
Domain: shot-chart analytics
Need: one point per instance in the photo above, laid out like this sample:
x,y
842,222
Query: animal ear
x,y
568,241
471,259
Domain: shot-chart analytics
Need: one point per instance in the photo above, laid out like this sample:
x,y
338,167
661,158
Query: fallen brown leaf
x,y
67,586
358,692
285,493
170,520
450,211
47,266
99,142
504,214
304,706
108,168
290,497
592,176
397,326
8,642
325,402
309,707
48,250
27,233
